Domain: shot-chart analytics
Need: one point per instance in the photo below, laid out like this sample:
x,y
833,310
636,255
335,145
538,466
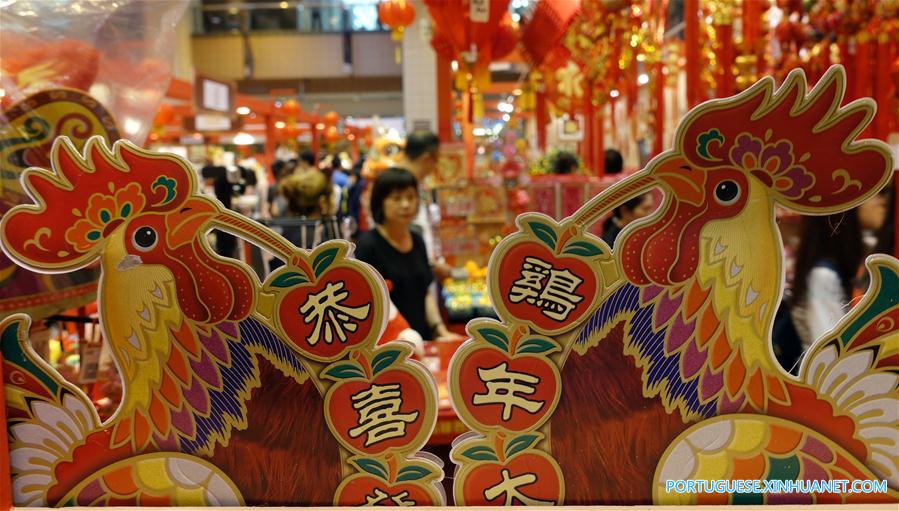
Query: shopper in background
x,y
399,254
614,162
886,237
306,162
633,209
565,163
831,252
308,199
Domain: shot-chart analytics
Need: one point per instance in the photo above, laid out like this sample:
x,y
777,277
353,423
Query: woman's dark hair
x,y
835,240
886,236
387,182
564,163
614,161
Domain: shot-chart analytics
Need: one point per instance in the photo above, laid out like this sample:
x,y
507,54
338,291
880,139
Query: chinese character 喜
x,y
551,289
504,387
379,414
509,487
331,318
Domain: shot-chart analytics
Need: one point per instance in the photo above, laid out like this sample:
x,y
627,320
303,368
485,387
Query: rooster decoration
x,y
622,371
235,391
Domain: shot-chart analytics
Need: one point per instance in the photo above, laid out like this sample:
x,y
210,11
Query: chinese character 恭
x,y
331,318
546,287
504,387
387,499
379,417
509,486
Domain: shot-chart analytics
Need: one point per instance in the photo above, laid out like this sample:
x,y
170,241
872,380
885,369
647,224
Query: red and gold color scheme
x,y
224,377
396,14
671,355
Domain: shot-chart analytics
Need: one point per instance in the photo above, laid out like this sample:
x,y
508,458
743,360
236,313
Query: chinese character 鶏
x,y
379,414
551,289
504,387
509,487
332,320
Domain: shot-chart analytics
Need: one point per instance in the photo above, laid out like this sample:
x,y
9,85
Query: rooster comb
x,y
85,196
800,143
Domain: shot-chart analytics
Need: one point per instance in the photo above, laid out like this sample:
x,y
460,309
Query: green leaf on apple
x,y
546,234
495,337
384,359
289,279
343,371
536,345
413,473
323,260
520,443
371,466
480,453
582,248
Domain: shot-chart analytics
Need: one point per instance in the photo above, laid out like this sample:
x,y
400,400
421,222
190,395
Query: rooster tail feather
x,y
856,367
753,447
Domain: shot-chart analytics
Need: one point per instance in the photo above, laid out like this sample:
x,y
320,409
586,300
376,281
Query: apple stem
x,y
567,234
498,440
366,367
517,333
391,468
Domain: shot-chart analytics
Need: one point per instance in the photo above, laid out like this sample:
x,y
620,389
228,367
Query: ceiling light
x,y
614,93
506,117
283,5
643,79
243,110
244,139
280,124
479,132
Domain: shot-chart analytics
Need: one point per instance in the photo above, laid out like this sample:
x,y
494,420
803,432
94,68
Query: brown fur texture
x,y
287,456
606,436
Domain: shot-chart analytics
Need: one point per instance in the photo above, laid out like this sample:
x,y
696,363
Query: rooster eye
x,y
727,193
144,239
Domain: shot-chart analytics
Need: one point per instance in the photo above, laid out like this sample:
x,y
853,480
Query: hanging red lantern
x,y
331,118
332,134
291,108
396,14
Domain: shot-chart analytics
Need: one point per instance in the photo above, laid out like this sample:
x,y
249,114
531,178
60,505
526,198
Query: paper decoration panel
x,y
614,372
235,391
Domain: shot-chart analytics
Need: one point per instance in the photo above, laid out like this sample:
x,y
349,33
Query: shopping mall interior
x,y
533,247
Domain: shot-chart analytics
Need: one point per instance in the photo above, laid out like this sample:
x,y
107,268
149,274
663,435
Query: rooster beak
x,y
688,185
185,224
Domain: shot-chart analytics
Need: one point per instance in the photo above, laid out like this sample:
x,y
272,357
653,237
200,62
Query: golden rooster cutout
x,y
225,378
664,345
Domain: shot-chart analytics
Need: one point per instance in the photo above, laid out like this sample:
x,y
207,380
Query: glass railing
x,y
322,16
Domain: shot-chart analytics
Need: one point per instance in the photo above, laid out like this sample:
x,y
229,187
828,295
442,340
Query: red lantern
x,y
396,14
332,134
291,108
331,118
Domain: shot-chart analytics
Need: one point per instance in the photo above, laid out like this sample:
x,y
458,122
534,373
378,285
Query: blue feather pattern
x,y
662,371
236,379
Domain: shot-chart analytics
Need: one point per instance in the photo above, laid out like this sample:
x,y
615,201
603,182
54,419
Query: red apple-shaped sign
x,y
503,380
328,304
546,276
506,473
382,404
382,482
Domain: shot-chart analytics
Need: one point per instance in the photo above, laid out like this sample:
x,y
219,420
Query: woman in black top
x,y
399,254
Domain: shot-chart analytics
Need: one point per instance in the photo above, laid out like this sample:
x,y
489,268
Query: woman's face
x,y
873,212
401,206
